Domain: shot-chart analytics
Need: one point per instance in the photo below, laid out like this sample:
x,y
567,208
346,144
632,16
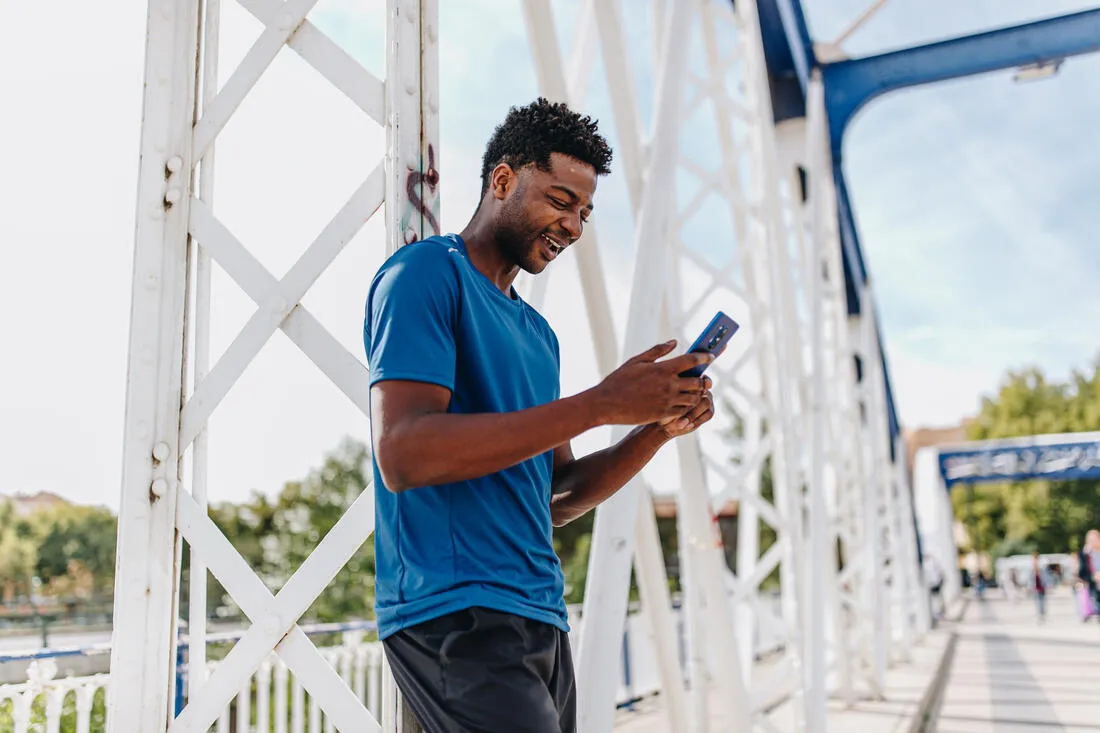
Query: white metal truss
x,y
178,235
840,510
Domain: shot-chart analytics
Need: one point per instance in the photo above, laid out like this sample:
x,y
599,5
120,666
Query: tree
x,y
76,543
276,537
1049,516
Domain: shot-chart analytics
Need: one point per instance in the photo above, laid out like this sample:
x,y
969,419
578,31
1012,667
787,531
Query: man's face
x,y
545,211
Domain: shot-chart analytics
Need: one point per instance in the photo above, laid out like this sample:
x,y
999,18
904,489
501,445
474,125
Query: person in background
x,y
1088,564
1040,583
933,580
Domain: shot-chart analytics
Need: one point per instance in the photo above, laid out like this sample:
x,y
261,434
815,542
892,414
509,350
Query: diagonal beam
x,y
216,115
278,305
275,617
345,371
363,88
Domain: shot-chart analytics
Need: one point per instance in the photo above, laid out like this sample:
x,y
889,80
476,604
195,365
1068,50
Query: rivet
x,y
159,487
174,163
172,196
161,451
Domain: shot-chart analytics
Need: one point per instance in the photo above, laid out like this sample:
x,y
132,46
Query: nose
x,y
572,225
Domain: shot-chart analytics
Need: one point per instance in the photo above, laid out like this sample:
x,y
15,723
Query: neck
x,y
485,252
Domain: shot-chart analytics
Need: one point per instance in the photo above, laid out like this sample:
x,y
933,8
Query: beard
x,y
518,239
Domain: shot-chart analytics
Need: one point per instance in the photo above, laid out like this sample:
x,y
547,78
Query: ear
x,y
502,181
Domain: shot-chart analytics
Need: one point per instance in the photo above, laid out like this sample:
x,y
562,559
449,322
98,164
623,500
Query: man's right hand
x,y
644,390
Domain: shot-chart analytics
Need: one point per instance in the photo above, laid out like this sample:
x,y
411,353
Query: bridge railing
x,y
273,700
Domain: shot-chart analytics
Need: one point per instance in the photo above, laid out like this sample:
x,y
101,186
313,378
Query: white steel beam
x,y
819,546
140,696
648,562
196,617
175,201
608,583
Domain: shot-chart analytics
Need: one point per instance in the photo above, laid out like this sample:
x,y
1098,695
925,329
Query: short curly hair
x,y
530,134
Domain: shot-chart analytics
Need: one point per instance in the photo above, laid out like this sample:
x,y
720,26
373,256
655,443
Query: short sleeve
x,y
411,317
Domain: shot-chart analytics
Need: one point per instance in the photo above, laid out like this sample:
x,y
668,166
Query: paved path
x,y
1012,675
1008,674
906,684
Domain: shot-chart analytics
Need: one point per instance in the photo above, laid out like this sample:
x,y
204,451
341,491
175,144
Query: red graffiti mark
x,y
415,179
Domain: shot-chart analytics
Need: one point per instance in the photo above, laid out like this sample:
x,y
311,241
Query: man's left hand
x,y
701,413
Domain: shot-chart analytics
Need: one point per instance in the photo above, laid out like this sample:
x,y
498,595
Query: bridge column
x,y
178,237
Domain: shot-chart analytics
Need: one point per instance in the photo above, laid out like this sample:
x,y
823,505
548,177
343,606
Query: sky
x,y
972,197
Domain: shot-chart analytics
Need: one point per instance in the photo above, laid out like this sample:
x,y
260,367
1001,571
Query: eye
x,y
558,203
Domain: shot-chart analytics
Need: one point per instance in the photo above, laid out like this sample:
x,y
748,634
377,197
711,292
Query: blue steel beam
x,y
789,54
852,83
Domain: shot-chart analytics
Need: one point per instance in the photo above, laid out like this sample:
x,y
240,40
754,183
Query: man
x,y
471,437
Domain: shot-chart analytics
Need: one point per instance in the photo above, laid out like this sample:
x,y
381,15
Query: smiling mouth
x,y
555,246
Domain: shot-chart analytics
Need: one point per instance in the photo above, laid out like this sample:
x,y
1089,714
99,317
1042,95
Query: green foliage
x,y
276,537
78,534
1043,515
69,548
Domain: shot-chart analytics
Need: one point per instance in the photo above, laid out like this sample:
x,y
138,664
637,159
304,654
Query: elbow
x,y
561,513
398,473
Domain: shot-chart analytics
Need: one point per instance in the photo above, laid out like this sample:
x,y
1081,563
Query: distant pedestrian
x,y
1040,583
1088,566
933,579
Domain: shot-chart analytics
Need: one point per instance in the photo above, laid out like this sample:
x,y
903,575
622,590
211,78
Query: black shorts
x,y
484,671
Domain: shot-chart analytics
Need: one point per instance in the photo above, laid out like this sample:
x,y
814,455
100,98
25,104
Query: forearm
x,y
588,481
436,448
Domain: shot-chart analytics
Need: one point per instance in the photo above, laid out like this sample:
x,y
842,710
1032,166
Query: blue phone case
x,y
712,340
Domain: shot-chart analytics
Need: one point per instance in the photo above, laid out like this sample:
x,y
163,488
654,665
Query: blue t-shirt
x,y
431,316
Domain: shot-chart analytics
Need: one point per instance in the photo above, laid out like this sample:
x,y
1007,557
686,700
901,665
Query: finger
x,y
692,385
685,401
707,384
699,410
688,423
702,413
654,352
684,362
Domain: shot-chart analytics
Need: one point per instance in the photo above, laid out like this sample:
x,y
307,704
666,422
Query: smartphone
x,y
712,340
